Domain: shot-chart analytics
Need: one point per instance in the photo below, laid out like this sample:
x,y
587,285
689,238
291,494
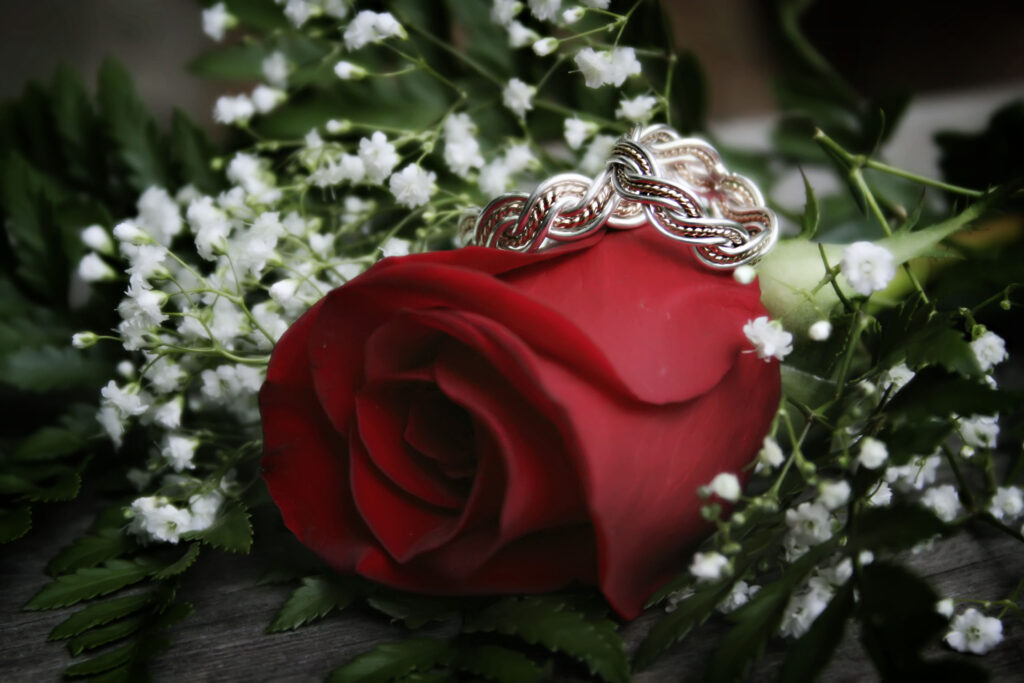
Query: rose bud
x,y
480,421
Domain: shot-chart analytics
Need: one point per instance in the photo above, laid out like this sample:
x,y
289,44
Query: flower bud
x,y
744,275
545,46
820,331
127,231
98,239
83,340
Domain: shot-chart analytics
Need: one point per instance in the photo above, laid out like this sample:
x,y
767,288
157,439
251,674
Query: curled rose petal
x,y
479,421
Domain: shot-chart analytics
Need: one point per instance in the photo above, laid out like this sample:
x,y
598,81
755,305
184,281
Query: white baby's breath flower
x,y
371,27
298,11
943,501
265,99
596,156
544,9
990,350
520,36
518,97
1007,503
577,131
770,340
203,509
739,595
770,454
395,246
820,331
275,69
881,495
92,268
915,475
804,607
709,566
217,20
638,110
833,494
545,46
867,267
98,239
726,486
973,632
159,215
412,186
809,524
504,11
155,517
378,155
744,274
461,149
233,109
494,177
178,451
128,400
872,454
348,71
595,66
83,340
168,415
898,376
210,226
519,157
572,15
979,431
945,607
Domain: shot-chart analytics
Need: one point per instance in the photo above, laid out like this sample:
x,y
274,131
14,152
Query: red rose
x,y
479,421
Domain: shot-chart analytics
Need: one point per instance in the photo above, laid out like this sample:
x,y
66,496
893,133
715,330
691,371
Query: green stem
x,y
921,180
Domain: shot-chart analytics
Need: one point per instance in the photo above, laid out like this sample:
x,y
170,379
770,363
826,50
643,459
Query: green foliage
x,y
317,597
413,610
89,582
390,661
100,613
90,550
677,624
545,621
232,531
813,650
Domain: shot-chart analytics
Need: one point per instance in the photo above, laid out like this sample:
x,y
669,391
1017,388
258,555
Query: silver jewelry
x,y
678,185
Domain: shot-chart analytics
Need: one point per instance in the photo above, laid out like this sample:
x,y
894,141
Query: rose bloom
x,y
480,421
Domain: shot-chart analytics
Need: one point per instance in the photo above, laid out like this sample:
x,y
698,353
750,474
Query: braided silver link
x,y
678,185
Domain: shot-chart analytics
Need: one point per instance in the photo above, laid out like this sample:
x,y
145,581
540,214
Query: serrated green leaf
x,y
192,153
46,368
65,487
100,613
94,638
809,655
806,388
77,127
317,597
91,582
945,347
392,660
675,625
545,621
896,527
232,531
101,663
497,663
48,443
181,564
933,391
413,610
809,220
137,140
14,523
13,484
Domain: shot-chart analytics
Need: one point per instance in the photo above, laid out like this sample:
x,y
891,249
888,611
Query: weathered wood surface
x,y
224,639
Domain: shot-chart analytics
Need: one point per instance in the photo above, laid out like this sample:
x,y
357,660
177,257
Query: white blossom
x,y
915,475
945,607
1007,503
726,486
461,149
973,632
217,20
203,508
504,11
545,46
347,167
809,524
265,99
210,226
159,215
130,232
638,110
298,11
163,374
519,158
898,376
335,8
943,501
872,453
98,239
178,451
275,69
833,494
804,607
395,246
867,267
157,518
494,177
990,350
577,131
572,15
233,109
128,400
709,566
168,415
378,155
112,421
820,331
544,10
518,97
770,340
607,67
770,454
596,156
979,431
253,247
744,274
412,186
92,268
520,36
371,27
739,595
348,71
83,340
881,495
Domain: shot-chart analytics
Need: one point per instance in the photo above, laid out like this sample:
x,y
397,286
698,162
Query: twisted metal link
x,y
678,185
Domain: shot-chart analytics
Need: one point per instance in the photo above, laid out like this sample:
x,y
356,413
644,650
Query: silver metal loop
x,y
678,185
